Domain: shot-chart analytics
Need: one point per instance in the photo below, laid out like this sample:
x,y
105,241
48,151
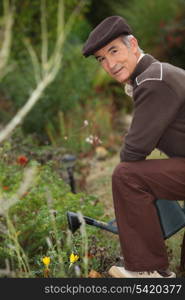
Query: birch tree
x,y
6,36
45,67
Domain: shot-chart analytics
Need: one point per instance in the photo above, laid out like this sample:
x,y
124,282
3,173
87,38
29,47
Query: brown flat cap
x,y
108,30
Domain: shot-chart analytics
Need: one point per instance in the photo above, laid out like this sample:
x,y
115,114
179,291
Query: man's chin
x,y
123,80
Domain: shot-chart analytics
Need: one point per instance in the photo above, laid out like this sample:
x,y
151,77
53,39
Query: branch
x,y
34,59
7,39
45,72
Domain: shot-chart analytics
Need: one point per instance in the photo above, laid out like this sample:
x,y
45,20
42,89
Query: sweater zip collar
x,y
142,65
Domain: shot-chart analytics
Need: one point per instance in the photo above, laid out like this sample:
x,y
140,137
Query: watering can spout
x,y
74,223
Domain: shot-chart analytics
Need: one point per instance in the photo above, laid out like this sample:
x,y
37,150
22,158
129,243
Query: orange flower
x,y
5,188
24,195
22,160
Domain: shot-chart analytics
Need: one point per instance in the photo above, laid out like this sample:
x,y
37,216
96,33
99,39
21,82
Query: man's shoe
x,y
121,272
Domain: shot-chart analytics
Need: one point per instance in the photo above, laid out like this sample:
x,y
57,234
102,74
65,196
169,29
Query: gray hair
x,y
126,41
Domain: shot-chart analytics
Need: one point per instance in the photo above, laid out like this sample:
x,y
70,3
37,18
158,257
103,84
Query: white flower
x,y
86,123
89,139
93,140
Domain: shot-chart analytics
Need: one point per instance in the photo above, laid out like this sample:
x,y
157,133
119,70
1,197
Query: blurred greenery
x,y
146,18
104,9
37,223
71,87
158,25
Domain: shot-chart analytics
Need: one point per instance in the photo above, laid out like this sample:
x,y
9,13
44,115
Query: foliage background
x,y
80,81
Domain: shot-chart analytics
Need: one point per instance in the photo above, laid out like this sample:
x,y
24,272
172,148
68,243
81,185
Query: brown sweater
x,y
159,111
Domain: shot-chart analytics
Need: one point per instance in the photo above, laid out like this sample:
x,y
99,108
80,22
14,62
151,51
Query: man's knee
x,y
123,170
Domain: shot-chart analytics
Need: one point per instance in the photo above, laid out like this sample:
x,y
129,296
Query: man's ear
x,y
134,44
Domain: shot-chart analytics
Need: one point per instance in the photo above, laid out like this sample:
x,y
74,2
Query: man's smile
x,y
118,71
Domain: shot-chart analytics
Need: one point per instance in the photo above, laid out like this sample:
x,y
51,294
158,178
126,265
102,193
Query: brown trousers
x,y
135,187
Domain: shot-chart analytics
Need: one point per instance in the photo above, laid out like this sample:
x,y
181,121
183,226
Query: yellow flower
x,y
73,258
46,261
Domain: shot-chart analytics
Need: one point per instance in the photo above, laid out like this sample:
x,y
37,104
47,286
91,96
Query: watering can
x,y
171,217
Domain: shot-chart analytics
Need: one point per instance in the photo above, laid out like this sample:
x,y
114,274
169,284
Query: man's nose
x,y
111,62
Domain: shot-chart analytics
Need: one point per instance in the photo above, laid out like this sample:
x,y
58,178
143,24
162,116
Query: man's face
x,y
119,60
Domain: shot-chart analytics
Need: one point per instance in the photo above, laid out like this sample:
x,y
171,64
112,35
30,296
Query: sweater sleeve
x,y
156,106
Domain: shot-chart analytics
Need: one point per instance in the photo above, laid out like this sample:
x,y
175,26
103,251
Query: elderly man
x,y
158,92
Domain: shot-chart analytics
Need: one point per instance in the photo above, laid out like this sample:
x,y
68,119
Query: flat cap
x,y
108,30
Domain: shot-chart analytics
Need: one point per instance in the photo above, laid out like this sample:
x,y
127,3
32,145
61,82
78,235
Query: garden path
x,y
99,181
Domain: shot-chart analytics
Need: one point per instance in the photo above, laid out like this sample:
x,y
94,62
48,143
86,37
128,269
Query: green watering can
x,y
171,217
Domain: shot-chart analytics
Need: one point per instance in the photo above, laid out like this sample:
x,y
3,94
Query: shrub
x,y
37,226
147,17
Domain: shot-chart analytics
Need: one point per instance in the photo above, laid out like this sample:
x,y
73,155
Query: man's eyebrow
x,y
111,48
98,56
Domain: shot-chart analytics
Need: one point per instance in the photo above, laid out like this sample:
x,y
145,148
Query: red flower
x,y
22,160
162,24
5,188
89,255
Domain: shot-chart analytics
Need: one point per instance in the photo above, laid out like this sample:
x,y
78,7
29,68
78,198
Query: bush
x,y
147,18
73,85
37,225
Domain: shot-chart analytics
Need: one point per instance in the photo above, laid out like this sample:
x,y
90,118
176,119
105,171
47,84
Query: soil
x,y
99,181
